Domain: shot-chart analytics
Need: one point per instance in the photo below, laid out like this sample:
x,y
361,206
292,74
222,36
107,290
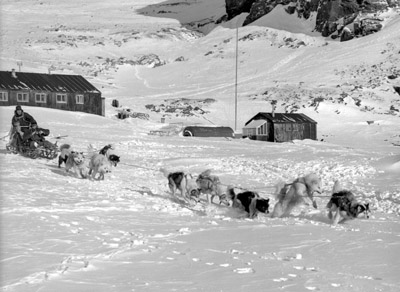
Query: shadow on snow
x,y
192,15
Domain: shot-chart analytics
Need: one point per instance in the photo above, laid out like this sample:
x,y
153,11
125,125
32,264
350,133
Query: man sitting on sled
x,y
22,123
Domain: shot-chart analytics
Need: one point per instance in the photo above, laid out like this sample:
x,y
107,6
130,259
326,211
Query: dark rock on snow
x,y
332,15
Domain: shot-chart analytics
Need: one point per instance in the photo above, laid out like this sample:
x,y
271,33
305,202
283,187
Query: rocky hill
x,y
170,60
338,18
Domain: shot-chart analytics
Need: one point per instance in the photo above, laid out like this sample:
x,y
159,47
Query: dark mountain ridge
x,y
336,18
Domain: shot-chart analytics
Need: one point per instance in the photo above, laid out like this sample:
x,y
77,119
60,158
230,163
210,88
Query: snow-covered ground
x,y
126,233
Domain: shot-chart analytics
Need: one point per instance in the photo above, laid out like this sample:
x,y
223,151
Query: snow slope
x,y
127,233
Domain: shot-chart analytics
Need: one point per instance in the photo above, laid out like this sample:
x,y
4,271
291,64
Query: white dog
x,y
212,187
99,161
76,161
99,164
300,188
184,182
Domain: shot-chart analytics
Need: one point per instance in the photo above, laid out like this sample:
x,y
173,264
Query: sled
x,y
34,148
48,152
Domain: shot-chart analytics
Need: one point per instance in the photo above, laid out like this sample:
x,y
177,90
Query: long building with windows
x,y
58,91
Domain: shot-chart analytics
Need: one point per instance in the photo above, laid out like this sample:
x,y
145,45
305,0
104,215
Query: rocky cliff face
x,y
336,18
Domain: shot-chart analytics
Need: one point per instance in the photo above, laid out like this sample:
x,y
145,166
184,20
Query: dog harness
x,y
310,195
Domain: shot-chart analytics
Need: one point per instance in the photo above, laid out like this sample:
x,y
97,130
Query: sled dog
x,y
106,151
251,202
65,151
114,159
343,206
183,182
99,163
293,194
76,161
212,187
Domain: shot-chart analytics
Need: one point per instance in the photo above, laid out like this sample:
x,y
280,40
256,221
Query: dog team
x,y
341,206
90,165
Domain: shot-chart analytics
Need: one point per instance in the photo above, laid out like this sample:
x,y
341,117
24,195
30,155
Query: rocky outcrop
x,y
332,15
182,107
330,12
303,8
262,7
397,89
236,7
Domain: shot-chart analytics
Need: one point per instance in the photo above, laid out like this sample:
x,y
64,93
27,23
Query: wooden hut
x,y
204,131
63,92
280,127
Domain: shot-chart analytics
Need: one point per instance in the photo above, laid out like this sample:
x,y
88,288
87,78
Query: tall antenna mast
x,y
19,63
236,73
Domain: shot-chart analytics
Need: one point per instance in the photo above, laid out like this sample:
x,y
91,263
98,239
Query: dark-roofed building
x,y
280,127
208,131
58,91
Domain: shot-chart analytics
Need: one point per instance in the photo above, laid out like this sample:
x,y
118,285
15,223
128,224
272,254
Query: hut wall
x,y
250,132
103,106
313,131
262,138
297,131
286,132
280,134
281,131
310,131
93,103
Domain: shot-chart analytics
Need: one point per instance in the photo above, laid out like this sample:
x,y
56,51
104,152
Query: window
x,y
61,98
40,97
22,97
79,99
262,130
3,96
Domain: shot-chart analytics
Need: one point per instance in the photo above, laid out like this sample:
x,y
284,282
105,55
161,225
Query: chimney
x,y
51,68
13,73
273,104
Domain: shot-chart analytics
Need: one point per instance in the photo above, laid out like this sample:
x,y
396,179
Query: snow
x,y
126,233
278,18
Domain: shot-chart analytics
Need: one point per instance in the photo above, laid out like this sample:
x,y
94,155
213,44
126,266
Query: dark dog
x,y
345,207
183,182
65,151
114,159
251,202
105,149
